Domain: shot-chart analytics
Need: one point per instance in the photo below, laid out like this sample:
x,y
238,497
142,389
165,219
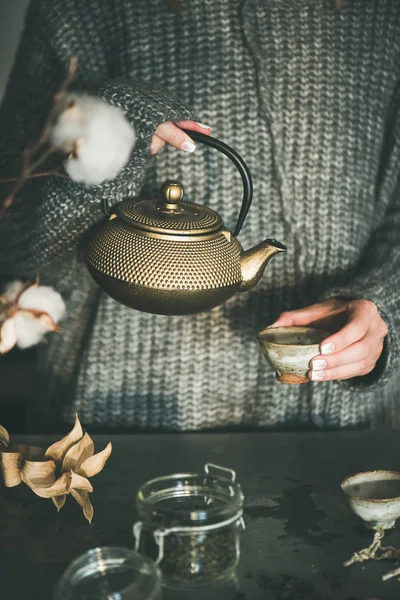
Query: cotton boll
x,y
8,336
29,330
12,290
43,298
102,136
70,126
37,310
105,149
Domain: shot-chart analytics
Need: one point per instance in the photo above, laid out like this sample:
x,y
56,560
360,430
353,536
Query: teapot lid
x,y
168,214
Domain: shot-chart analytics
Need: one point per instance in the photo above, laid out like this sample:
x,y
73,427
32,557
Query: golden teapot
x,y
172,257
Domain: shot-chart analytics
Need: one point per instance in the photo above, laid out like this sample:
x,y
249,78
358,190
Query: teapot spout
x,y
254,261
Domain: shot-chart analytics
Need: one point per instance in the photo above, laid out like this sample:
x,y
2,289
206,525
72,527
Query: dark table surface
x,y
299,528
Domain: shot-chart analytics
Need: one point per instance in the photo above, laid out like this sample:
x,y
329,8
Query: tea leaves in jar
x,y
198,556
190,525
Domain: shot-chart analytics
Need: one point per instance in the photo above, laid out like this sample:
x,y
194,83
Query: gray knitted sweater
x,y
310,99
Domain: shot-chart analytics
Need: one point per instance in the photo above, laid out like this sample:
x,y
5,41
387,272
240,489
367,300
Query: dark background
x,y
16,368
11,22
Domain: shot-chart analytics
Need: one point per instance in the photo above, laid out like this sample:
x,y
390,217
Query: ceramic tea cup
x,y
375,497
289,350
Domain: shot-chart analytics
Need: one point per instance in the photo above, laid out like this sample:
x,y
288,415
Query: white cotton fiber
x,y
8,336
43,298
28,319
29,330
12,290
102,136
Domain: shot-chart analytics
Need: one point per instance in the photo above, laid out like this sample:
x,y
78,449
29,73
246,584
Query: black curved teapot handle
x,y
237,161
239,164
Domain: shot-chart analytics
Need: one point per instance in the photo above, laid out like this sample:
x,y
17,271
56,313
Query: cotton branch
x,y
30,160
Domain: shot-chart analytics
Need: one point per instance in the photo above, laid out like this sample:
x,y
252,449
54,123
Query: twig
x,y
28,164
34,165
377,552
55,173
367,553
57,99
391,574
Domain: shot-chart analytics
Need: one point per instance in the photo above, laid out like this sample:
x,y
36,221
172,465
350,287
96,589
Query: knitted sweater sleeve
x,y
378,278
43,227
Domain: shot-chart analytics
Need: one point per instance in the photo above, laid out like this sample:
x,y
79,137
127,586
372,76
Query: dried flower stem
x,y
391,574
56,173
376,551
367,553
28,164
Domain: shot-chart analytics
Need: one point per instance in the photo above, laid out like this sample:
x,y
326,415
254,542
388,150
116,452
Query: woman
x,y
309,97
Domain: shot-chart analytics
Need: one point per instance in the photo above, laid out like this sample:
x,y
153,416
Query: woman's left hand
x,y
355,347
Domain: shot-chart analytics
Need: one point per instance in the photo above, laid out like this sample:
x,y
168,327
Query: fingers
x,y
310,314
362,315
172,134
156,144
194,126
346,372
355,349
357,359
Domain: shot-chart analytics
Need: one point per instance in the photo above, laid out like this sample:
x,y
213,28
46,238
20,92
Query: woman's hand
x,y
355,347
171,133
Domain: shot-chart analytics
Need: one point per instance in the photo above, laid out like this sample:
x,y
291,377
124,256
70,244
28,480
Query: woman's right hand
x,y
171,133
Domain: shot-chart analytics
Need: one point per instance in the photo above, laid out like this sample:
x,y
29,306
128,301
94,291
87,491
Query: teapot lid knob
x,y
169,213
171,193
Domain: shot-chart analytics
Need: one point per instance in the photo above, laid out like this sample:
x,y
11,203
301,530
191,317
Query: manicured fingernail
x,y
327,348
318,365
203,126
317,375
188,146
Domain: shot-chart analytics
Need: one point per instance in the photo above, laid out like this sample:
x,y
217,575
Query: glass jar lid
x,y
186,500
109,573
168,214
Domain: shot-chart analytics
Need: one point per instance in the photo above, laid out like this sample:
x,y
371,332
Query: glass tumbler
x,y
109,573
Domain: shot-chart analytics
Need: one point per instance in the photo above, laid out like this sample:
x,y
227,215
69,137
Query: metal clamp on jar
x,y
190,524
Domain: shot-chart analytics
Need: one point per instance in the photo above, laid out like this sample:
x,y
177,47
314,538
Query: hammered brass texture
x,y
162,302
154,261
188,217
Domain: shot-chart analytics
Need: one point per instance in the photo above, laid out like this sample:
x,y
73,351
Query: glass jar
x,y
189,524
110,573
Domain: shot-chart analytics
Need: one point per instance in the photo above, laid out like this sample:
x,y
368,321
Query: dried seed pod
x,y
64,468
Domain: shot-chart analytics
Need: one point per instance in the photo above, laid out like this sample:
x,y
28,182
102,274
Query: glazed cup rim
x,y
303,329
374,500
